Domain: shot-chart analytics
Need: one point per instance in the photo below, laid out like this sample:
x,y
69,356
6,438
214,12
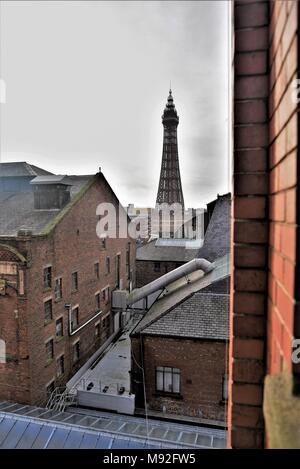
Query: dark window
x,y
74,318
48,310
118,270
107,265
60,365
74,281
97,301
76,352
47,277
97,330
225,388
156,266
58,288
49,349
168,379
59,328
103,243
106,321
97,269
128,261
50,388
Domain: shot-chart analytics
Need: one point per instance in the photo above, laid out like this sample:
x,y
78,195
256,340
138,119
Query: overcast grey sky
x,y
86,84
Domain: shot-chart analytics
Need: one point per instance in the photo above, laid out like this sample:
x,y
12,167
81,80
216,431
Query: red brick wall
x,y
265,244
72,246
201,379
283,53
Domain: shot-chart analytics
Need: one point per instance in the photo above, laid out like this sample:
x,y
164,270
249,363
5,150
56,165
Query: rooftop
x,y
17,209
21,169
183,289
25,427
201,316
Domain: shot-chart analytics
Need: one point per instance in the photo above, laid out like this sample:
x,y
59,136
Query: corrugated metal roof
x,y
82,428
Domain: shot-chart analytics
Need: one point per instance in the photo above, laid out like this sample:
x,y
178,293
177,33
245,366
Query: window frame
x,y
74,283
47,277
165,388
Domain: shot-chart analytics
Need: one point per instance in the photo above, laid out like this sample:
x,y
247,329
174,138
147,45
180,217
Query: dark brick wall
x,y
145,272
202,365
72,246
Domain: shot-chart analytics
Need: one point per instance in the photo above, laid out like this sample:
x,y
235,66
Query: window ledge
x,y
49,361
59,338
172,395
49,321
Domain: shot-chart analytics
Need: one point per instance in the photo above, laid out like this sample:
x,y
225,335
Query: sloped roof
x,y
26,427
17,209
181,290
217,237
202,316
19,169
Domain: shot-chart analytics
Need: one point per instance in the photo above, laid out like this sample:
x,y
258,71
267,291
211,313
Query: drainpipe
x,y
68,306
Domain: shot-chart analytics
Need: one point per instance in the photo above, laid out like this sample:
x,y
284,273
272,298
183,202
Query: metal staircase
x,y
61,398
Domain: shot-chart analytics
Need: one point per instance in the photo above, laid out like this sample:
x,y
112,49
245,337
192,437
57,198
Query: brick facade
x,y
201,393
147,271
71,246
265,224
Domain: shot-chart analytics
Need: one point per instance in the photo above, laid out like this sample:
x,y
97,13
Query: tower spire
x,y
169,188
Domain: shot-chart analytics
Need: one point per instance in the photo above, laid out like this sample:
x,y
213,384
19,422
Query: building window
x,y
58,288
47,277
103,243
97,330
156,266
168,379
97,301
97,269
75,318
76,352
106,322
50,388
74,281
105,295
60,365
108,265
118,270
128,261
225,388
49,350
48,310
59,328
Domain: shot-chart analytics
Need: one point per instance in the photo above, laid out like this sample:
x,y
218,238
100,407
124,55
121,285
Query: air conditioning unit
x,y
119,299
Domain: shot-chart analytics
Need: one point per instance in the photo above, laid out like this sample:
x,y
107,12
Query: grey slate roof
x,y
202,316
20,169
181,290
217,236
17,209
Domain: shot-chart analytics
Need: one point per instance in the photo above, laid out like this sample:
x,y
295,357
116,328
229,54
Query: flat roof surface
x,y
112,369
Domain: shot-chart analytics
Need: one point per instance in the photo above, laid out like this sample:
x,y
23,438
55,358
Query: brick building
x,y
264,403
181,344
56,277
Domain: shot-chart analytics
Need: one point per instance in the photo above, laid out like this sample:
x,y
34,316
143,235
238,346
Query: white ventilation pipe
x,y
164,280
